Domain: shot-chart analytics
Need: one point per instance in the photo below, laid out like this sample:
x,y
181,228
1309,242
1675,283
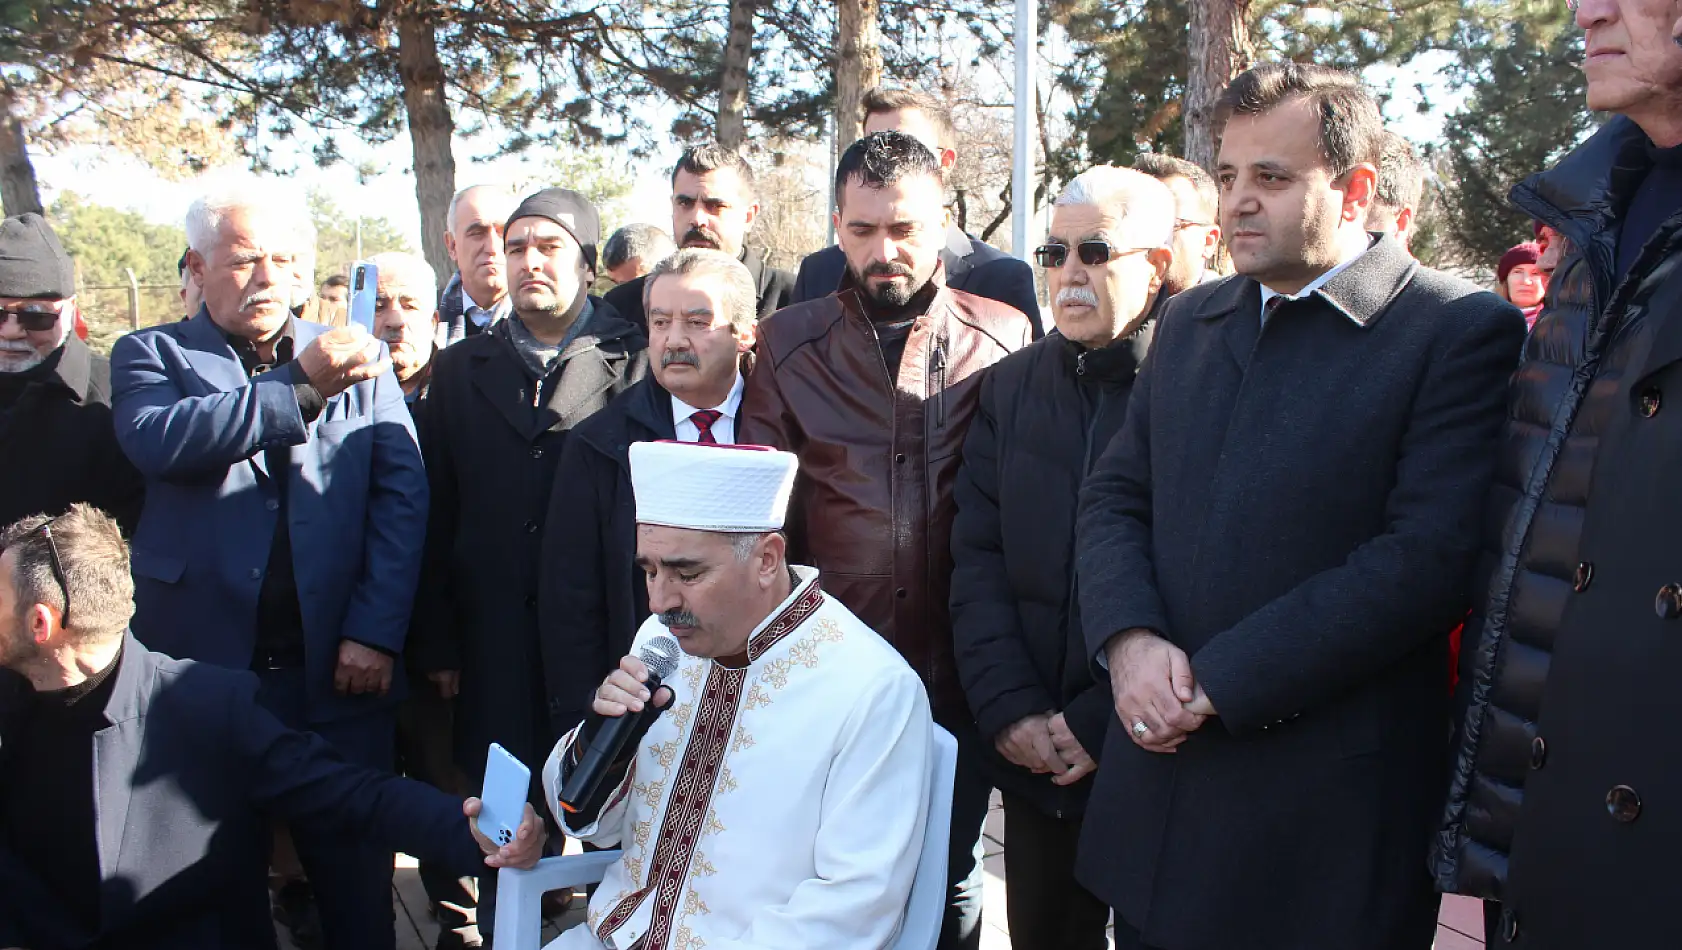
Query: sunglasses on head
x,y
34,317
1091,253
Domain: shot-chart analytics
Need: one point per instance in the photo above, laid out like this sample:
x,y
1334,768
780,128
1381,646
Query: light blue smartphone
x,y
364,293
507,781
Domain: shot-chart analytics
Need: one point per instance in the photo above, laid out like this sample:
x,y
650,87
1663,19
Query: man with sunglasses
x,y
1045,415
55,393
873,388
1272,552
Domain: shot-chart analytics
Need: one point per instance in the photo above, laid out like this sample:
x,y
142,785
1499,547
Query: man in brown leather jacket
x,y
873,387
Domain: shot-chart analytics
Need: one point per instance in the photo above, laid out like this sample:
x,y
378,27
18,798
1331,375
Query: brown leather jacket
x,y
873,506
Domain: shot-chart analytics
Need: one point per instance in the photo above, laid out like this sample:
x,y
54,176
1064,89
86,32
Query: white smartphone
x,y
507,784
364,293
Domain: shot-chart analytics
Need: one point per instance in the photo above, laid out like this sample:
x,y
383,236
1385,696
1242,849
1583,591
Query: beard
x,y
19,357
891,295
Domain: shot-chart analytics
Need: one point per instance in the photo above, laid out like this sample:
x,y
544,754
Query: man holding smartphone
x,y
285,511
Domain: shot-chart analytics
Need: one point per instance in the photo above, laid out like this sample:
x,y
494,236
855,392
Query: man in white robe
x,y
778,800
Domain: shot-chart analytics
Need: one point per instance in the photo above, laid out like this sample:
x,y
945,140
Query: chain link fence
x,y
111,311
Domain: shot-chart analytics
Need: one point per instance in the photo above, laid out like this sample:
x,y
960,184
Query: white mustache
x,y
1077,295
259,298
16,346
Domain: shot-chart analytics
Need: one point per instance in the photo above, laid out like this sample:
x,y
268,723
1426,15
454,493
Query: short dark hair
x,y
337,280
711,157
879,160
1401,175
880,99
1163,167
1351,130
94,561
637,240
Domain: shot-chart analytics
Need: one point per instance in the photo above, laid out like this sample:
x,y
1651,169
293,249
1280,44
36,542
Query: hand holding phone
x,y
364,294
507,786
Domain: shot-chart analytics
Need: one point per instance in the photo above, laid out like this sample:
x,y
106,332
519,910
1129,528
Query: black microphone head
x,y
660,655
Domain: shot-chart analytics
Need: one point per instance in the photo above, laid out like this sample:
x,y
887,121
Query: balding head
x,y
1108,253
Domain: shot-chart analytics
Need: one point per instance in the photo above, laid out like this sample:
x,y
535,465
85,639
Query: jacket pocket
x,y
158,567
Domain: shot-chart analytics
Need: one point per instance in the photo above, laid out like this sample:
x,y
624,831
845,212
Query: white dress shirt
x,y
724,430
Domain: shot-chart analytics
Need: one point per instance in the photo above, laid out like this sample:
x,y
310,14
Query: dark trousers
x,y
351,879
961,928
1044,906
425,752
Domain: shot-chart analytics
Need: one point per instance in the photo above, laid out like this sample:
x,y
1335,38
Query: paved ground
x,y
1460,928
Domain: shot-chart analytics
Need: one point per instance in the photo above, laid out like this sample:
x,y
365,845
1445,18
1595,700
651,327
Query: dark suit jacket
x,y
188,774
593,596
774,284
198,429
971,266
1296,508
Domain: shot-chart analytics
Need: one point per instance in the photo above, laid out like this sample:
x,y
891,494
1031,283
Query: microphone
x,y
660,655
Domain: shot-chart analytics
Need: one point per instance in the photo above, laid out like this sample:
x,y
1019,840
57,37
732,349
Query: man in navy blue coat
x,y
1272,553
134,811
285,512
971,265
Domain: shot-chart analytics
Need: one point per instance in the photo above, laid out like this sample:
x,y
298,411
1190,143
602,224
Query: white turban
x,y
725,488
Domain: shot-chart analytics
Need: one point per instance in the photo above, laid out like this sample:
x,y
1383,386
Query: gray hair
x,y
740,296
503,195
742,545
255,196
1140,204
645,241
413,270
1401,175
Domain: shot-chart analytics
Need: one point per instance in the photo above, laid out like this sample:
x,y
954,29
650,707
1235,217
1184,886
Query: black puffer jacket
x,y
1572,384
1046,413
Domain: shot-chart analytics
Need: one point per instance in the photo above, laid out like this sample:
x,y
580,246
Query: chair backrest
x,y
927,906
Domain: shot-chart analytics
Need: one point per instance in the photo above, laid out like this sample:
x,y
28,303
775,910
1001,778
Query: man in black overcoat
x,y
1569,664
1273,551
499,409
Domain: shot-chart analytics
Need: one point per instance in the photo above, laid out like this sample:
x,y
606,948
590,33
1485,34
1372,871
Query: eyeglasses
x,y
46,530
1180,224
32,317
1092,253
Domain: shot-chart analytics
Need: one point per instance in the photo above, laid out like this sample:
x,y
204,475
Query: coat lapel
x,y
1665,283
116,751
585,374
1237,303
210,354
1364,290
497,375
955,255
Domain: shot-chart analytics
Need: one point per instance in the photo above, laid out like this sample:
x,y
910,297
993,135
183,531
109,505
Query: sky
x,y
121,182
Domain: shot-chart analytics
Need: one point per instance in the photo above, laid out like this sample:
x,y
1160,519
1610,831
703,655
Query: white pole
x,y
1022,152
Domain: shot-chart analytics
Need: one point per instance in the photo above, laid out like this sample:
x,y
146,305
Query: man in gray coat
x,y
1273,551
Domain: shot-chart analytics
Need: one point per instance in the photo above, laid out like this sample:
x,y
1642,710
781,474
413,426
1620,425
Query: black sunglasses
x,y
1092,253
46,530
32,317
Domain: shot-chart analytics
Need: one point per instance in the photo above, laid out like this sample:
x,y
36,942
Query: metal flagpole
x,y
1022,149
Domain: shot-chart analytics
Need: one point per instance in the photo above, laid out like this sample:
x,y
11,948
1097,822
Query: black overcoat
x,y
491,458
1295,507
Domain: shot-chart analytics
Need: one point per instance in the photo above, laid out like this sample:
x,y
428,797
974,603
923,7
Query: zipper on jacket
x,y
937,363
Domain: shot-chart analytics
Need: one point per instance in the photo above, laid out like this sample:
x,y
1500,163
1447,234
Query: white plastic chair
x,y
519,894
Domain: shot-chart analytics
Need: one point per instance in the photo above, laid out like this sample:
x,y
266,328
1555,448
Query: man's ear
x,y
196,266
1360,184
1404,226
753,214
746,338
773,550
449,244
1161,259
39,621
948,158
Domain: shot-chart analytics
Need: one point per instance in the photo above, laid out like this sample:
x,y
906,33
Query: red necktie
x,y
704,419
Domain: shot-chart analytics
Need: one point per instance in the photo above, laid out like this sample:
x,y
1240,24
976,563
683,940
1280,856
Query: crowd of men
x,y
1178,572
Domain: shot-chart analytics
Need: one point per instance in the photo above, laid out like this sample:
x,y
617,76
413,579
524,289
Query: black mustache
x,y
679,618
702,234
887,269
679,356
